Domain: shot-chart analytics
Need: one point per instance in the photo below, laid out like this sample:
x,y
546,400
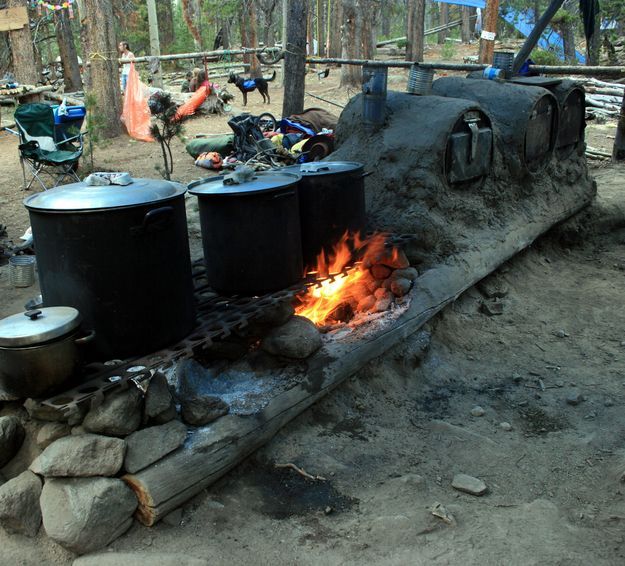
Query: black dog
x,y
248,85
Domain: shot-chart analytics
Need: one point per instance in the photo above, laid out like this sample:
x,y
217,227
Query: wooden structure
x,y
12,19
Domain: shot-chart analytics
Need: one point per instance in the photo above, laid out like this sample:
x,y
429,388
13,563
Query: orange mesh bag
x,y
191,105
136,113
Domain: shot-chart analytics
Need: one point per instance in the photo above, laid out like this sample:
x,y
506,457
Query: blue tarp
x,y
470,3
549,41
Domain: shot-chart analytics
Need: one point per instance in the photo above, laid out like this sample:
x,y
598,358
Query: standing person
x,y
126,55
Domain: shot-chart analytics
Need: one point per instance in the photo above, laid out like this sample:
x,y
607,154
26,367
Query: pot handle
x,y
366,174
154,220
85,339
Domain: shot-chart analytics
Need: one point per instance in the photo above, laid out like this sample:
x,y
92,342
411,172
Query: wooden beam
x,y
12,19
212,451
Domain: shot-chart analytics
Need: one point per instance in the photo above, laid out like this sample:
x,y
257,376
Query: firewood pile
x,y
603,98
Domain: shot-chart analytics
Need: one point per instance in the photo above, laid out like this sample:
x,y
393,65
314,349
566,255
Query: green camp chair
x,y
39,151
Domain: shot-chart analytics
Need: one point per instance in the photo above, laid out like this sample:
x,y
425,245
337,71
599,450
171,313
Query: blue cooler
x,y
68,125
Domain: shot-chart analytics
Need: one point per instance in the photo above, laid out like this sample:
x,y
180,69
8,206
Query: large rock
x,y
19,504
85,514
201,410
297,339
81,456
11,438
159,403
50,432
139,559
42,412
151,444
119,414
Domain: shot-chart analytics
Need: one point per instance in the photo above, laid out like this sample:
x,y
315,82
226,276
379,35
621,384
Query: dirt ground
x,y
389,441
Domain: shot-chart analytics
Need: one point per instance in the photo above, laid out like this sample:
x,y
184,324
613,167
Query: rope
x,y
101,56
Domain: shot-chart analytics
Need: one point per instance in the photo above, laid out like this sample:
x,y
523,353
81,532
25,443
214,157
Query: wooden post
x,y
295,58
155,44
618,151
489,31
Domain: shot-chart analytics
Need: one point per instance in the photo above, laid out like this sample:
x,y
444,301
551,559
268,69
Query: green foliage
x,y
542,57
448,50
166,128
402,43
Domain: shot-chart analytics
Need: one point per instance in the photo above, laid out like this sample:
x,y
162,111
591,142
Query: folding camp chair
x,y
40,152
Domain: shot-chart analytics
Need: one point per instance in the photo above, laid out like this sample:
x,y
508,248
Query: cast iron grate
x,y
217,318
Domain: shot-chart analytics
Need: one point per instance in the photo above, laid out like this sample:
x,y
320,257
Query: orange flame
x,y
341,287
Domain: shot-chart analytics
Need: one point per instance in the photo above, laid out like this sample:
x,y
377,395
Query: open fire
x,y
361,277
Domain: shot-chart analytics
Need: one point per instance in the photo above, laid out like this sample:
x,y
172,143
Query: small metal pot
x,y
40,350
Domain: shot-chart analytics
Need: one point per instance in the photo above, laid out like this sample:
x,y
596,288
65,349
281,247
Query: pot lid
x,y
262,181
81,197
34,327
316,168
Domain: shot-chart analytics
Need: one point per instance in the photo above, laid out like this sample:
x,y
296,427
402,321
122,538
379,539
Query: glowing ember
x,y
349,286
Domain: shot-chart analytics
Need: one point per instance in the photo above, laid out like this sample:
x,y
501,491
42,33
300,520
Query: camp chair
x,y
40,152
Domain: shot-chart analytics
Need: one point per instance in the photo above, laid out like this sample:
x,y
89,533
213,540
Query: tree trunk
x,y
67,51
443,20
489,26
385,17
102,54
335,26
243,29
618,151
155,44
310,36
568,39
295,57
165,24
351,75
368,15
22,51
415,19
465,29
255,70
594,46
321,20
268,8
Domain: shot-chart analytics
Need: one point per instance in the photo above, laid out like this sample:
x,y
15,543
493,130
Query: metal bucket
x,y
420,80
374,79
504,60
22,270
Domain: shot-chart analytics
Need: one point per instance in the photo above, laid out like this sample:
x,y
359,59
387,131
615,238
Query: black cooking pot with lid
x,y
40,350
331,202
250,232
120,255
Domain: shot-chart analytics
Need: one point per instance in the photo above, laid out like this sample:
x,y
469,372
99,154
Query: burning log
x,y
367,287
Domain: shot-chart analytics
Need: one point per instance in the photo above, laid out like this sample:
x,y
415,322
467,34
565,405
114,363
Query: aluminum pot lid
x,y
262,181
34,327
316,168
78,197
